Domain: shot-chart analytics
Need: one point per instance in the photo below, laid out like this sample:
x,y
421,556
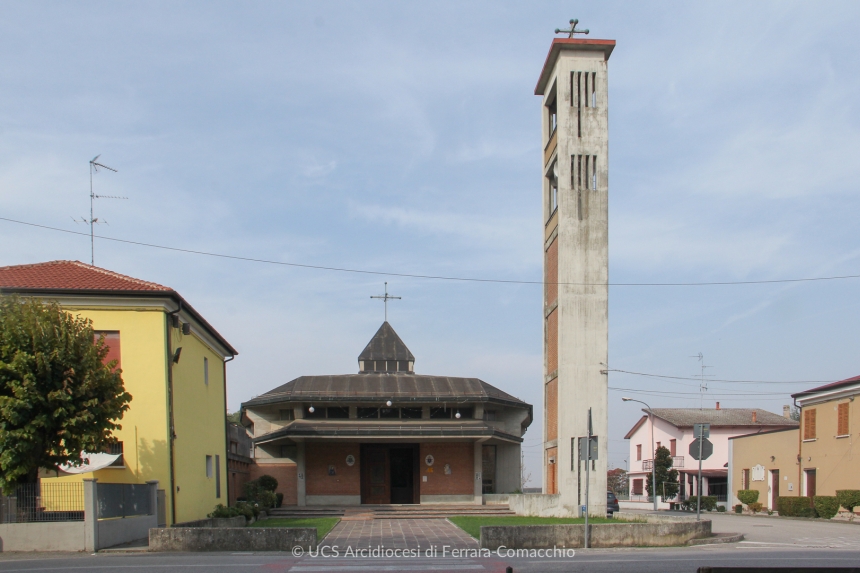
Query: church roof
x,y
362,428
374,386
386,345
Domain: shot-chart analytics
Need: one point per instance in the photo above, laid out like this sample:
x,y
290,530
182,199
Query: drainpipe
x,y
226,437
171,427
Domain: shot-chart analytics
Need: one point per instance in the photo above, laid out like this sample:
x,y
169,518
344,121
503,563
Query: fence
x,y
43,502
123,500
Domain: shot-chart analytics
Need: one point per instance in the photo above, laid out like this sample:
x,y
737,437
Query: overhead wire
x,y
423,276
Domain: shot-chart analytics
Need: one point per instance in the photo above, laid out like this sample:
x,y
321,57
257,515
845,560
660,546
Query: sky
x,y
398,137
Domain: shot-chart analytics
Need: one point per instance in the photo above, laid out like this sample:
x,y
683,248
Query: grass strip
x,y
322,524
471,524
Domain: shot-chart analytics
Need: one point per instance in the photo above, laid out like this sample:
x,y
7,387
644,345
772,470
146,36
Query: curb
x,y
718,538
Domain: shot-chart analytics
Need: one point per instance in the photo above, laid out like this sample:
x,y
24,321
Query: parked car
x,y
611,503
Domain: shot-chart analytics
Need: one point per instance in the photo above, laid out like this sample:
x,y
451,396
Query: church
x,y
387,435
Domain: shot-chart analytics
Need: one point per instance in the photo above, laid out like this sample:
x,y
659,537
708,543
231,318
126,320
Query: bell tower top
x,y
573,44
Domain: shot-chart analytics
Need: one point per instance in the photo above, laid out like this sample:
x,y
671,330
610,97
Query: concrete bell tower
x,y
575,187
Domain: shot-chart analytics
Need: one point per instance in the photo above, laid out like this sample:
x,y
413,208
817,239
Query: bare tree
x,y
525,475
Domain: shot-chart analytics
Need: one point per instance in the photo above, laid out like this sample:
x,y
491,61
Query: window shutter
x,y
842,419
809,424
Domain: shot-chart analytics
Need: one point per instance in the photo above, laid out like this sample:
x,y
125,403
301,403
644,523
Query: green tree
x,y
667,477
57,397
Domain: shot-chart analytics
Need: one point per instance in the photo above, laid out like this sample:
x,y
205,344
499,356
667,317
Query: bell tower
x,y
575,188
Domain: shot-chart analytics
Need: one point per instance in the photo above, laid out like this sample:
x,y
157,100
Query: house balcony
x,y
677,462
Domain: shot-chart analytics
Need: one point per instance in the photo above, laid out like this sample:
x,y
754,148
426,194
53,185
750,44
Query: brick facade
x,y
551,278
347,479
551,410
460,457
552,342
286,475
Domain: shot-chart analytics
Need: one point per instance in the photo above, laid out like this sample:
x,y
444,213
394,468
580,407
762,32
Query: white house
x,y
673,428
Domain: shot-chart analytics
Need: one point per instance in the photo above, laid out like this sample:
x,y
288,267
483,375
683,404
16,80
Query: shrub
x,y
739,508
267,483
755,506
721,508
709,502
800,506
826,506
280,498
848,498
249,510
222,511
748,496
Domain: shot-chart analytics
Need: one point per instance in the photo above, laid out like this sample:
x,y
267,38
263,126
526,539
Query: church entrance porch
x,y
389,474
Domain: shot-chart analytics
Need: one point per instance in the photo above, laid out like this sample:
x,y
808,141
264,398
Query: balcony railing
x,y
677,462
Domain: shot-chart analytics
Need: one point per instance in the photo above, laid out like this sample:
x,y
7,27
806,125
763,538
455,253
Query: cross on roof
x,y
385,298
572,30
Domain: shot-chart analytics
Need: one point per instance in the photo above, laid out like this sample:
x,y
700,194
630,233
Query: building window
x,y
637,487
412,413
658,445
285,415
209,466
368,413
116,449
552,113
234,447
113,345
638,452
672,448
552,178
389,413
809,424
337,412
206,371
217,476
317,414
842,419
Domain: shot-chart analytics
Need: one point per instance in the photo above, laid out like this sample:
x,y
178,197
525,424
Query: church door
x,y
375,486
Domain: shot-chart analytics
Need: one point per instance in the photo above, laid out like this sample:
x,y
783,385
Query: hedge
x,y
748,496
826,506
848,498
801,506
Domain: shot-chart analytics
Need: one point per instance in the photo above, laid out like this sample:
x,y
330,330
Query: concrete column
x,y
301,500
479,481
153,497
91,515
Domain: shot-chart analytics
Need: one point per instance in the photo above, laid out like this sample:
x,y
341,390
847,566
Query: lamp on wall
x,y
176,354
311,409
457,414
388,403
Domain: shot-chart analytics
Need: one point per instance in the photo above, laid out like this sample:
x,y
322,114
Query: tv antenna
x,y
703,379
94,168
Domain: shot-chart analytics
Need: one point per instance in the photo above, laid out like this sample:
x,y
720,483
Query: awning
x,y
92,463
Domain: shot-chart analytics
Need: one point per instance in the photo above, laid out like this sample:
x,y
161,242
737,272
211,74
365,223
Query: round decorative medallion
x,y
429,460
350,460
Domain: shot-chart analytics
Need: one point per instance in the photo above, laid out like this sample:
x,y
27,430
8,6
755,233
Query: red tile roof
x,y
75,277
831,386
72,275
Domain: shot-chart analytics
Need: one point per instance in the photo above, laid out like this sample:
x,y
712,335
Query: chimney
x,y
754,416
786,411
718,405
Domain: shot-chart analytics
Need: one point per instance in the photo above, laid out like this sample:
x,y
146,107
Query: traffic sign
x,y
586,452
701,431
707,449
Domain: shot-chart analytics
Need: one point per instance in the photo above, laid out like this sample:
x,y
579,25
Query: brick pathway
x,y
398,534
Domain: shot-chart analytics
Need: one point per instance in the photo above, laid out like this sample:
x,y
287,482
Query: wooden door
x,y
810,483
774,489
375,486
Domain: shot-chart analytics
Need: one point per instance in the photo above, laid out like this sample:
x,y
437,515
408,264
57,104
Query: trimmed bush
x,y
721,508
826,506
267,483
800,506
709,502
848,498
739,508
222,511
755,506
748,496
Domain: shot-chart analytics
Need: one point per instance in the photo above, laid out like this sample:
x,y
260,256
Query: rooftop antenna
x,y
703,379
94,168
385,298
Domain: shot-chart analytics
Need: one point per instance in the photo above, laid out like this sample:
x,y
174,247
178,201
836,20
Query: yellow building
x,y
174,366
818,458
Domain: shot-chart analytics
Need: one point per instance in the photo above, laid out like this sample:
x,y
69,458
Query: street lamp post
x,y
653,453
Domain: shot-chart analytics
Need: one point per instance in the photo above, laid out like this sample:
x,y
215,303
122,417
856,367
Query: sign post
x,y
700,450
587,452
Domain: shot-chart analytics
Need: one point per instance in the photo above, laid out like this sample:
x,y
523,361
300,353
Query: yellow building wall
x,y
199,411
836,460
758,449
200,418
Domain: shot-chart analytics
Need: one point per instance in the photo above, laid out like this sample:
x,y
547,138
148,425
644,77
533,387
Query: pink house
x,y
673,428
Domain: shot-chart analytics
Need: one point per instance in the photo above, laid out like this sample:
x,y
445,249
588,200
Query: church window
x,y
391,365
367,413
466,413
286,414
337,412
411,413
594,173
441,413
593,89
403,366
